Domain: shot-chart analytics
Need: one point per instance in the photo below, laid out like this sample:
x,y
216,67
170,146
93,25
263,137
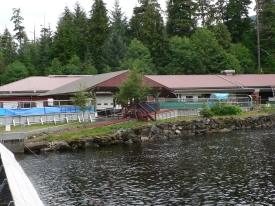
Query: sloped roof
x,y
38,84
214,81
89,82
191,81
251,80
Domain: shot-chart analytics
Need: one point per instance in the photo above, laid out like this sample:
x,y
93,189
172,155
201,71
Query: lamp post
x,y
33,33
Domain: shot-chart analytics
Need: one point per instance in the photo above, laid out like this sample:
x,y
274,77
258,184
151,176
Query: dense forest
x,y
195,37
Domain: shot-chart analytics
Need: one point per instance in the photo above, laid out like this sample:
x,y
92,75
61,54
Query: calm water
x,y
222,169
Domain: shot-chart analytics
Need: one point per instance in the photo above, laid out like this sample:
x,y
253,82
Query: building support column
x,y
156,95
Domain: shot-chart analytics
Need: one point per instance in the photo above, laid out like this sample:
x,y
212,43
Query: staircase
x,y
142,111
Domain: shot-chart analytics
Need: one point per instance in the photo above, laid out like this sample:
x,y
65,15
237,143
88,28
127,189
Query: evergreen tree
x,y
64,44
56,68
204,12
222,35
237,19
8,47
73,66
81,30
148,27
245,58
18,28
114,48
28,55
181,19
2,64
113,51
220,9
118,21
44,50
98,32
266,12
87,67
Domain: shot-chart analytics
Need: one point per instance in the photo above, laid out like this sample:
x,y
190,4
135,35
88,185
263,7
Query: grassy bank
x,y
86,131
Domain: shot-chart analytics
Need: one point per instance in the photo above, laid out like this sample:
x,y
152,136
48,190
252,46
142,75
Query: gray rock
x,y
129,141
62,145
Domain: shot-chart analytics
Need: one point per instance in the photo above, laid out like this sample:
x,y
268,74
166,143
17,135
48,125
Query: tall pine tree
x,y
266,12
80,21
98,32
44,50
8,47
237,19
18,27
64,44
114,48
181,19
147,26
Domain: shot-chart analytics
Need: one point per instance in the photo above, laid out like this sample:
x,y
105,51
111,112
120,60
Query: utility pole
x,y
258,36
33,33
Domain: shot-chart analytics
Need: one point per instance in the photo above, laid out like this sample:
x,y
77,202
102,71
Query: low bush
x,y
224,109
221,110
206,112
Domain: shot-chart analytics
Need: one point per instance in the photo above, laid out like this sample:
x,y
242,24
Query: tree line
x,y
195,37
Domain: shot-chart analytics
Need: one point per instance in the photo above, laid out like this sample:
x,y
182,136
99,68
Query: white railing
x,y
41,119
177,113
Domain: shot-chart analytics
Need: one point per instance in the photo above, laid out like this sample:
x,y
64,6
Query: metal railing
x,y
195,103
41,119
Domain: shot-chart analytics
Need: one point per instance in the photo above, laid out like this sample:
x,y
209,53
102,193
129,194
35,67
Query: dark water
x,y
222,169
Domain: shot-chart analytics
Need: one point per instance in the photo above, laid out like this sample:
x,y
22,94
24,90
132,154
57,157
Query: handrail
x,y
155,112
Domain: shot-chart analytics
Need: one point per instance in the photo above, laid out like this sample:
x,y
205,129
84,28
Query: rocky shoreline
x,y
159,131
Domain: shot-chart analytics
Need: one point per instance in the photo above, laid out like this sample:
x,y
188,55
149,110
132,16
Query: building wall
x,y
104,101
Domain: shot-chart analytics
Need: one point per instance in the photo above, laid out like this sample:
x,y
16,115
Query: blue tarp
x,y
40,110
24,111
51,110
2,112
219,96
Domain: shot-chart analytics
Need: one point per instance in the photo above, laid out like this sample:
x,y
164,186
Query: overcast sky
x,y
33,12
36,12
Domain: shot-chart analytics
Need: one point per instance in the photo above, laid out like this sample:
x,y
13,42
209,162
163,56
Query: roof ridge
x,y
236,83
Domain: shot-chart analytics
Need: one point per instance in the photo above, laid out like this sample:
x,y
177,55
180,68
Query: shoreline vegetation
x,y
79,131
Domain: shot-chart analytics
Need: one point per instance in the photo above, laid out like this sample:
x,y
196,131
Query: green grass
x,y
270,109
32,127
109,130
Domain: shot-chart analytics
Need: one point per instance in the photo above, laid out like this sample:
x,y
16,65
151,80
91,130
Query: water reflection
x,y
221,169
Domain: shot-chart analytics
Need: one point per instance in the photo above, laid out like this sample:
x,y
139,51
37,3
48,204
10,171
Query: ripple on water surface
x,y
222,169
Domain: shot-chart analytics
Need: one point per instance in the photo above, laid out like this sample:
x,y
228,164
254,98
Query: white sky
x,y
34,11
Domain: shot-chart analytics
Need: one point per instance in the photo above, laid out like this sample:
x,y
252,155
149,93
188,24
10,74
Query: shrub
x,y
206,112
223,109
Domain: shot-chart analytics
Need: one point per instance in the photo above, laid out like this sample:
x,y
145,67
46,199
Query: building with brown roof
x,y
105,85
29,89
227,82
